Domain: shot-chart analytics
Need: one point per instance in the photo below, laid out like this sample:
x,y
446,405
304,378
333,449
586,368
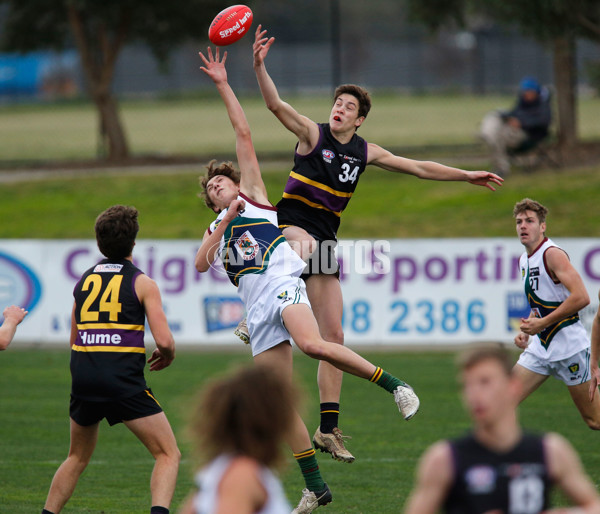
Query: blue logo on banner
x,y
18,284
517,307
222,312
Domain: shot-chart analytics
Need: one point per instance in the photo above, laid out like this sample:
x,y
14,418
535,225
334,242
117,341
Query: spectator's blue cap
x,y
529,83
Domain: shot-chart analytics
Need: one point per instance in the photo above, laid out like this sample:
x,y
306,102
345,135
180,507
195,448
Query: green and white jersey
x,y
253,250
562,339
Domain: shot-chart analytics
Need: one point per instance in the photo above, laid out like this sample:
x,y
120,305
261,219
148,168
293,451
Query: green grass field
x,y
34,421
385,205
200,127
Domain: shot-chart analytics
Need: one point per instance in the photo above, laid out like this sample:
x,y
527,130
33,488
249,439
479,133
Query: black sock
x,y
330,412
159,510
44,511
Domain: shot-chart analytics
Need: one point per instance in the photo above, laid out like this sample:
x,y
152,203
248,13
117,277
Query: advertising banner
x,y
399,292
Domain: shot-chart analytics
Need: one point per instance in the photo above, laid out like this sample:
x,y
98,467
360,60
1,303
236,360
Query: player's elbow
x,y
201,265
583,300
275,105
243,133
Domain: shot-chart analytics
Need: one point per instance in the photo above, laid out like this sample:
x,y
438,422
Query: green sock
x,y
310,470
385,380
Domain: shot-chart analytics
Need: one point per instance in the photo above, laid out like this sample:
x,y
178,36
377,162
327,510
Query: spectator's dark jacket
x,y
535,117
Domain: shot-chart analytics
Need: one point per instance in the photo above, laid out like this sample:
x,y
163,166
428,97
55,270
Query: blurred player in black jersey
x,y
497,468
328,162
113,299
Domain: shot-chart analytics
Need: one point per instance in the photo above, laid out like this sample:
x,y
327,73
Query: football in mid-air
x,y
230,25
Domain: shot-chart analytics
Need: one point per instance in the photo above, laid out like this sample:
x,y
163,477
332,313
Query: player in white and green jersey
x,y
553,338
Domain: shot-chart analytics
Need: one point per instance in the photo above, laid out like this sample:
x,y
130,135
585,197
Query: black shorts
x,y
140,405
322,261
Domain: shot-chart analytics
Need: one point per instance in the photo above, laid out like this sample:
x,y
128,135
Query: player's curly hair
x,y
116,229
225,168
527,204
360,93
247,413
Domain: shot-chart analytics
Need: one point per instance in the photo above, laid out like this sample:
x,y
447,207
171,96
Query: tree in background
x,y
557,23
99,30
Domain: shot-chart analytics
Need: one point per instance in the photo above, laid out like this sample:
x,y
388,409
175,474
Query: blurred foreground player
x,y
239,427
113,299
498,468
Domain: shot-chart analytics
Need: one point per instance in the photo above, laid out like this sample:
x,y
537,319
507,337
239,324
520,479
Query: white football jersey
x,y
544,295
209,478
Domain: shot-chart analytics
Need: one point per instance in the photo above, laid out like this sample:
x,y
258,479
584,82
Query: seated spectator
x,y
520,129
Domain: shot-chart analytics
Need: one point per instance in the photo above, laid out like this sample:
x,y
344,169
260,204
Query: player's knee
x,y
174,454
79,462
335,336
593,423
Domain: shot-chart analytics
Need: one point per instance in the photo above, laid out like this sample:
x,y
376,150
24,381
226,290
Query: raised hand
x,y
214,67
485,179
261,45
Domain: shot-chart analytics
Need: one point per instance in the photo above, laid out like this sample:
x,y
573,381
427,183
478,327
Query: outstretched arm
x,y
251,183
306,130
429,170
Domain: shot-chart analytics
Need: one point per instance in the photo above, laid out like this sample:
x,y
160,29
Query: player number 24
x,y
109,301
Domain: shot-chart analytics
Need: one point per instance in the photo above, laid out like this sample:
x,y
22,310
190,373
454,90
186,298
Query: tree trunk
x,y
565,79
99,51
111,133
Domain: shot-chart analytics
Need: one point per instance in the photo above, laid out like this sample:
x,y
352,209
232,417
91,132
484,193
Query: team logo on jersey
x,y
574,368
535,313
327,155
522,272
284,297
247,246
480,479
108,268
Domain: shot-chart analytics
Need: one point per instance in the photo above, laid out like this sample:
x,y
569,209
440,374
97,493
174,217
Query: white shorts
x,y
573,370
265,323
